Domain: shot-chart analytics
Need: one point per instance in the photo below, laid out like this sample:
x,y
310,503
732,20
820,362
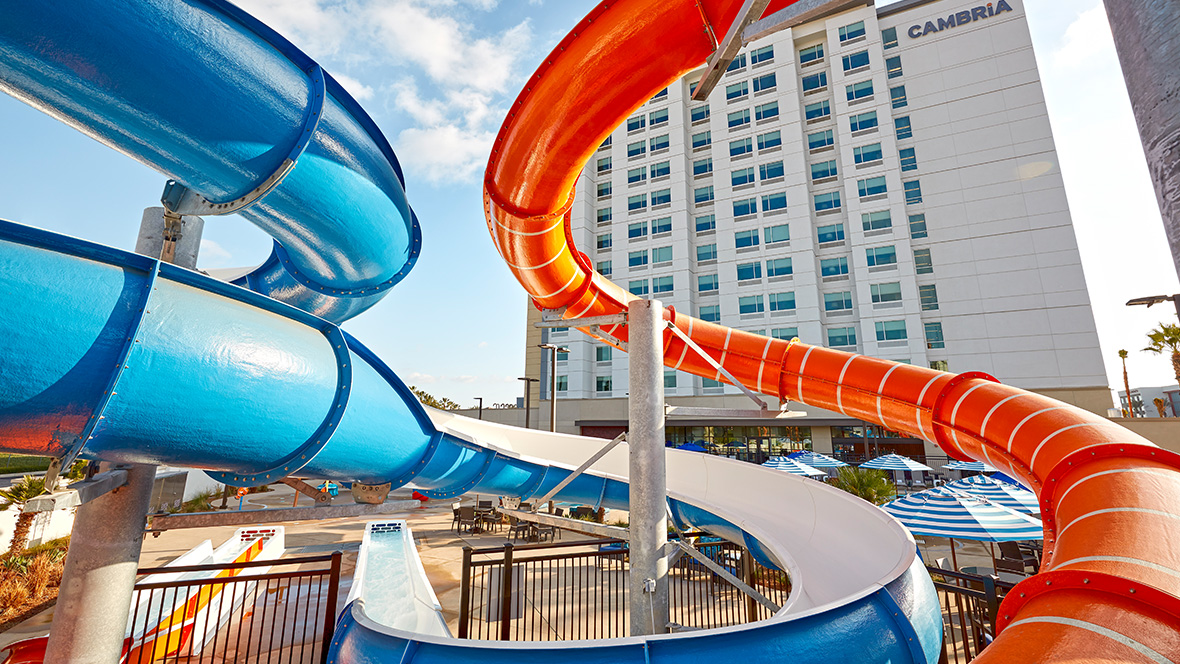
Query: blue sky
x,y
436,75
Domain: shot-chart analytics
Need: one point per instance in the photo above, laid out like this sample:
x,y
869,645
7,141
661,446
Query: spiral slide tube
x,y
1110,584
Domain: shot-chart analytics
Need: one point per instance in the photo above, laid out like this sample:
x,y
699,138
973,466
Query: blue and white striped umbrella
x,y
943,512
974,466
816,460
791,466
894,462
1002,493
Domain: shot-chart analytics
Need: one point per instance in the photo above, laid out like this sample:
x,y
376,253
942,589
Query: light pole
x,y
553,351
528,383
1156,299
480,400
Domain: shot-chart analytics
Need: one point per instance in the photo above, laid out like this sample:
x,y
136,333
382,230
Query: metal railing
x,y
579,590
970,604
238,615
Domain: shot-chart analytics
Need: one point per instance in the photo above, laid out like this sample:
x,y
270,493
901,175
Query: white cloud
x,y
447,152
357,89
213,255
417,377
467,379
1085,40
482,344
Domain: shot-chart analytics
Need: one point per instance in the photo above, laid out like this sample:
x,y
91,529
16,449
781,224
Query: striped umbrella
x,y
1001,493
974,466
894,462
816,460
791,466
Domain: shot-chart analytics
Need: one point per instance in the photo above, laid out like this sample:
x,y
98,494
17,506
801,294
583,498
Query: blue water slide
x,y
116,356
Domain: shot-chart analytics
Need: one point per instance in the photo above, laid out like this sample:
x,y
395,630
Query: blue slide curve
x,y
116,356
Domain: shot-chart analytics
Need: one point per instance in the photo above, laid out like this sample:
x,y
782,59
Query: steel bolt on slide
x,y
254,380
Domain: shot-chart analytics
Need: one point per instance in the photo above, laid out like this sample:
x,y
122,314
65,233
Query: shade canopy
x,y
894,462
816,460
944,512
975,466
1002,493
791,466
692,447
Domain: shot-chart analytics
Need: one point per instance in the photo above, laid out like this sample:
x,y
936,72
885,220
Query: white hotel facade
x,y
879,180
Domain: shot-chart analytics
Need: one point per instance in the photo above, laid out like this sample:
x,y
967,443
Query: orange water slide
x,y
1109,589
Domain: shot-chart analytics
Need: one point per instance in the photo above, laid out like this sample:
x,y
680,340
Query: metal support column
x,y
647,474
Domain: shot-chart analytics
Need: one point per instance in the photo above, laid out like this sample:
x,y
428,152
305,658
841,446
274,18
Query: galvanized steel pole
x,y
647,474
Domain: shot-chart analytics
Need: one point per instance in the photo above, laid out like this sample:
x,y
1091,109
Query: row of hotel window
x,y
847,34
852,62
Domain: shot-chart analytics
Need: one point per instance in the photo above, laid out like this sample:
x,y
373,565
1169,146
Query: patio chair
x,y
1011,551
1012,565
455,515
516,528
467,519
545,533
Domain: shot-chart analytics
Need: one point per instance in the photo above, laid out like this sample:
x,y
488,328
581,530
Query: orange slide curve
x,y
1109,589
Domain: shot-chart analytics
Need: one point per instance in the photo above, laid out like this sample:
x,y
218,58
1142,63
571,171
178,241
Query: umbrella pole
x,y
992,546
954,558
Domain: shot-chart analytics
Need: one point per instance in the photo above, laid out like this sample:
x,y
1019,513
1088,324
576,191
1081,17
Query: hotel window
x,y
604,268
833,267
766,111
659,143
661,285
661,169
702,194
748,271
659,117
928,295
739,118
775,234
638,287
867,153
740,147
889,37
823,170
856,60
893,66
811,54
711,313
707,283
939,365
669,378
602,383
662,94
828,201
710,382
934,339
603,353
604,241
605,144
707,252
702,166
820,139
770,140
745,206
859,90
886,255
771,170
813,82
637,149
779,267
604,215
913,192
563,383
784,333
917,226
742,239
863,121
750,304
742,176
838,301
706,222
637,258
903,128
820,109
841,337
890,292
604,189
738,63
765,82
637,202
871,186
875,221
661,225
764,54
923,264
909,159
661,197
897,97
637,122
831,233
850,32
636,175
702,139
604,165
699,113
737,90
890,330
782,301
772,202
661,255
637,230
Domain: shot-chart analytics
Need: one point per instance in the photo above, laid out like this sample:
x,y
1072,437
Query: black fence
x,y
239,615
969,607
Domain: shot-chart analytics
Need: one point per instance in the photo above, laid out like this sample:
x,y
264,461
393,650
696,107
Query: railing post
x,y
748,578
465,594
330,612
993,601
506,594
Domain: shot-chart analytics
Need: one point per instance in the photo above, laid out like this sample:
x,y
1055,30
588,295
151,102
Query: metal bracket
x,y
728,576
79,493
727,50
694,411
802,11
592,321
160,523
716,365
320,497
580,469
576,525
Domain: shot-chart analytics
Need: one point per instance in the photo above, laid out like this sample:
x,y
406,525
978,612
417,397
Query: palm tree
x,y
1166,339
872,485
18,494
1127,384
